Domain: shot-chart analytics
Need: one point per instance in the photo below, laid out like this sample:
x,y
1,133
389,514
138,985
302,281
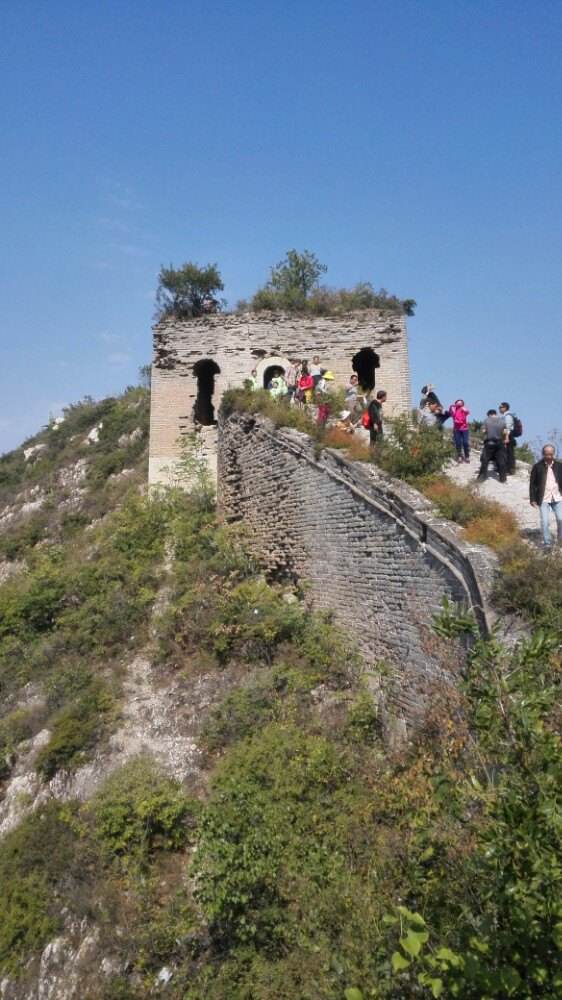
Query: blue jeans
x,y
546,507
461,439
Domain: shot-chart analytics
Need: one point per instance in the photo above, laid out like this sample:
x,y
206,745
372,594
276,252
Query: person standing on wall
x,y
352,391
315,370
375,417
306,383
545,491
510,440
495,433
461,437
291,377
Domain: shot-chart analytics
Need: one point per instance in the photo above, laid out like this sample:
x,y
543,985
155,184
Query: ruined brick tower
x,y
196,360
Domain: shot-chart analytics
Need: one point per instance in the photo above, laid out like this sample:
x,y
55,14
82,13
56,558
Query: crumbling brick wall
x,y
370,548
236,343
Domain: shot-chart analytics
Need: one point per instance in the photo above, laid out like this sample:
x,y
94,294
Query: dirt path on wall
x,y
514,494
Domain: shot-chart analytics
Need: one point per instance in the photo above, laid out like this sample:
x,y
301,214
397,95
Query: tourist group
x,y
308,385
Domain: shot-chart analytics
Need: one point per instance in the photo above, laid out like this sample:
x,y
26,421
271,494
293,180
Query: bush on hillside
x,y
139,811
36,859
410,451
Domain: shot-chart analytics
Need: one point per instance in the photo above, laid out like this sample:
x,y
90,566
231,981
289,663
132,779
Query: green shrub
x,y
531,585
268,827
412,452
252,620
362,725
140,811
15,543
75,731
35,860
278,410
240,714
324,301
16,726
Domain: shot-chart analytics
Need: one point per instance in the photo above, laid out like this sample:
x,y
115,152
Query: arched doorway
x,y
203,409
268,367
364,364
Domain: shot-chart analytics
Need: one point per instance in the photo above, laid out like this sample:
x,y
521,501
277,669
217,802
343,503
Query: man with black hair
x,y
545,491
375,417
510,440
428,396
495,434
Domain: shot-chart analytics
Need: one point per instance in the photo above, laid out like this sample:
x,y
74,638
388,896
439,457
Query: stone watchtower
x,y
196,360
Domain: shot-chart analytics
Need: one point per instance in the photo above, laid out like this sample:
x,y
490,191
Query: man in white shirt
x,y
510,439
545,491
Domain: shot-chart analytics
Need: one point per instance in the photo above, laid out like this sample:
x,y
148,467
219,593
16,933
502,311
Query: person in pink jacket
x,y
459,414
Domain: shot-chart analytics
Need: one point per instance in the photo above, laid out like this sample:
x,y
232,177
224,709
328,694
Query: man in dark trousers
x,y
510,443
545,491
495,436
375,416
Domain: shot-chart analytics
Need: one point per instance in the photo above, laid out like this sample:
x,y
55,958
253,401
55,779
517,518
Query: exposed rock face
x,y
33,451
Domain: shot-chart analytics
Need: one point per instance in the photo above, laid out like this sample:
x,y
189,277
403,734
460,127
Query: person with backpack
x,y
372,418
514,429
495,436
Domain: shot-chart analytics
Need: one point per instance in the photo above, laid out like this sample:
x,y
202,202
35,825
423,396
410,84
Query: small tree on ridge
x,y
188,291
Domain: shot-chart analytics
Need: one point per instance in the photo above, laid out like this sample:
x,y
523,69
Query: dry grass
x,y
498,529
356,449
484,522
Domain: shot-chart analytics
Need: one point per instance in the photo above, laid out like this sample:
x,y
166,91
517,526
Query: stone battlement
x,y
196,360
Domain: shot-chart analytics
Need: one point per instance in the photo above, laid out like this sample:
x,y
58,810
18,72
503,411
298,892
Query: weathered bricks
x,y
239,342
369,547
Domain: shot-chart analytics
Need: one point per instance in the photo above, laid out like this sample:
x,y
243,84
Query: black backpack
x,y
517,426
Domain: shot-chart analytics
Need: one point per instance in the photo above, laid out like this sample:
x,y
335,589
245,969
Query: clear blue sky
x,y
417,145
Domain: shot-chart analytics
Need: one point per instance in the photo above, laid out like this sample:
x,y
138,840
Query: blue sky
x,y
417,145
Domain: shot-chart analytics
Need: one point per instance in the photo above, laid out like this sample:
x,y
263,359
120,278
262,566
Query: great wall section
x,y
369,549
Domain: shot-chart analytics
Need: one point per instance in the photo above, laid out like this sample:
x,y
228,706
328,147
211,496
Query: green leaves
x,y
398,962
412,942
188,290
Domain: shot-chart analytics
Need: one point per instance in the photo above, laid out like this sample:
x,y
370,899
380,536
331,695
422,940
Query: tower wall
x,y
237,343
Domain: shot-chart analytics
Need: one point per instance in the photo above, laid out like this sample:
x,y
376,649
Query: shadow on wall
x,y
203,409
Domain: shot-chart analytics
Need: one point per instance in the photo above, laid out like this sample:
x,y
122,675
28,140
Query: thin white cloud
x,y
108,337
115,225
132,250
118,358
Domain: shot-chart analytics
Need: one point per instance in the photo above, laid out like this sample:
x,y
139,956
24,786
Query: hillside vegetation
x,y
197,801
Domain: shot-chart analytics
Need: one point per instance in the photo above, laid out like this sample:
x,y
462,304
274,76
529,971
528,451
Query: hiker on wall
x,y
545,491
514,430
495,436
459,413
375,417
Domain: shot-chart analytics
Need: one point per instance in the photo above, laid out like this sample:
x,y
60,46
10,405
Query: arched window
x,y
364,364
203,409
268,367
271,372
